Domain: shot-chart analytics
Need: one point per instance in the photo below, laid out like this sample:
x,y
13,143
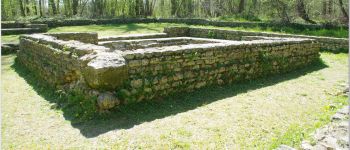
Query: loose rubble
x,y
334,136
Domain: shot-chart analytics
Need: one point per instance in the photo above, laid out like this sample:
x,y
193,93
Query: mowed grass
x,y
260,114
134,28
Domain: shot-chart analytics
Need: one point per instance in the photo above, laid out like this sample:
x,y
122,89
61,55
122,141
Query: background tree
x,y
302,12
305,11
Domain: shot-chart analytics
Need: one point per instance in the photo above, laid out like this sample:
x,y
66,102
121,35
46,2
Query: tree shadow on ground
x,y
136,27
127,116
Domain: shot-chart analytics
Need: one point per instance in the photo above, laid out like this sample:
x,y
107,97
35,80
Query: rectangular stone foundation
x,y
146,68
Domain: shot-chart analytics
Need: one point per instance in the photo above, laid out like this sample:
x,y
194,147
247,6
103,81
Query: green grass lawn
x,y
252,115
118,29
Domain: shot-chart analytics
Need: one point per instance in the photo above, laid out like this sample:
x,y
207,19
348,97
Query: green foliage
x,y
239,17
211,34
230,10
79,106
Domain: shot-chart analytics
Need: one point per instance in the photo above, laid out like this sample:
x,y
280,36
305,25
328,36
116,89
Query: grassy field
x,y
118,29
253,115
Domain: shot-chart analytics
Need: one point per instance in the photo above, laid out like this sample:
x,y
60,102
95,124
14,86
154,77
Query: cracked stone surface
x,y
333,136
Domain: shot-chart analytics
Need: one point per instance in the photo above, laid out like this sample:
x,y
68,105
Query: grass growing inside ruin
x,y
9,39
133,28
261,114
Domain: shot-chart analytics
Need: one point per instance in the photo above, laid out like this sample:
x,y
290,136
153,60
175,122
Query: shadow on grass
x,y
135,27
127,116
336,51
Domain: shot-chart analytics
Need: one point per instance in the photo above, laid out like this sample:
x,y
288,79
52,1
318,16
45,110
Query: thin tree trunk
x,y
4,15
330,7
40,8
53,6
35,7
345,14
58,6
207,7
27,7
14,11
282,10
231,7
173,7
147,8
324,8
302,12
241,6
22,8
83,7
75,7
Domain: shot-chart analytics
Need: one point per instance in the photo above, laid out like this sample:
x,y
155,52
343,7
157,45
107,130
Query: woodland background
x,y
285,11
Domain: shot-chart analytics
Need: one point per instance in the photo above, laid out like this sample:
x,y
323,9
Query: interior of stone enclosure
x,y
124,45
140,67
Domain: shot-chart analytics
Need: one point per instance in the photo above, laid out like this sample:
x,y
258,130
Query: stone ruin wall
x,y
55,61
327,43
150,73
159,74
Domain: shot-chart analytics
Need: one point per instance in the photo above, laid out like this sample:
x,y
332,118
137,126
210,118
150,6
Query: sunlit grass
x,y
260,114
9,39
115,29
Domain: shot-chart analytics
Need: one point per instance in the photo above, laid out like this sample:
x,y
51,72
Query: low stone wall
x,y
186,68
190,21
50,59
9,48
327,43
72,65
22,28
55,68
91,38
5,24
153,68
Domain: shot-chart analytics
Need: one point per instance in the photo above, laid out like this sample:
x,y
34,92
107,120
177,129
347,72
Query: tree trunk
x,y
4,14
173,8
58,6
83,5
66,6
231,7
345,14
35,7
190,8
40,9
282,10
22,8
27,7
302,12
147,8
75,7
324,8
330,7
241,6
207,7
53,6
137,8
